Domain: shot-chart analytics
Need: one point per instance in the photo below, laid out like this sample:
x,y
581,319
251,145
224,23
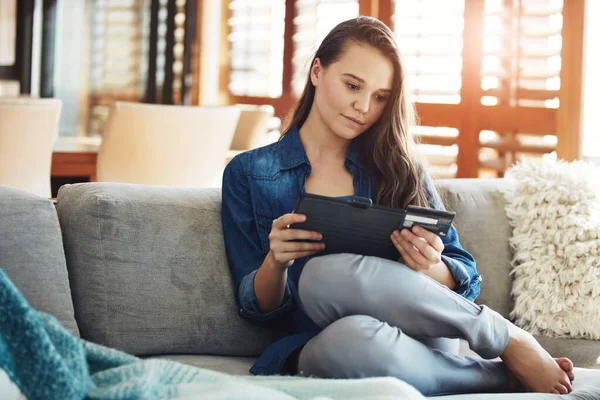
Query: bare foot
x,y
514,384
533,366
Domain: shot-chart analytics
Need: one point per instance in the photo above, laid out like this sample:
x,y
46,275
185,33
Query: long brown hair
x,y
387,147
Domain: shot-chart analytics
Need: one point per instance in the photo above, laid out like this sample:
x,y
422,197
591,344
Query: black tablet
x,y
358,226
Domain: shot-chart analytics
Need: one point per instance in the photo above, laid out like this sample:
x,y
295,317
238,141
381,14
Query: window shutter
x,y
314,19
256,44
118,55
430,38
520,69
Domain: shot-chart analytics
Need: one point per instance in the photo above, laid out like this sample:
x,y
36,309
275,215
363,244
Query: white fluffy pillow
x,y
554,209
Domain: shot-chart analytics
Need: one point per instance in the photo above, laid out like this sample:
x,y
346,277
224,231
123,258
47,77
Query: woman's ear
x,y
315,70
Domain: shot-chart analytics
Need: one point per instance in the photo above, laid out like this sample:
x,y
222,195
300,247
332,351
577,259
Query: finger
x,y
408,261
434,240
295,234
287,219
425,250
286,258
299,254
415,254
294,247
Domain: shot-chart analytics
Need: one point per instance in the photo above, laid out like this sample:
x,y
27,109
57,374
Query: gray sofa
x,y
143,268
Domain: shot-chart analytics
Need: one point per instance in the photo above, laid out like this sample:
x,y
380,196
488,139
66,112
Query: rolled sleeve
x,y
459,273
467,284
462,266
249,304
242,244
460,262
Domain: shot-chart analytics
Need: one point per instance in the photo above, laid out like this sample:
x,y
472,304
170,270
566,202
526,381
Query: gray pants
x,y
381,318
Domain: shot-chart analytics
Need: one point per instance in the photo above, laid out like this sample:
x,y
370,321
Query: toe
x,y
567,385
554,391
565,364
561,389
571,376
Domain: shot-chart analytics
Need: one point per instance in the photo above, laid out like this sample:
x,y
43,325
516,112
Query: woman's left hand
x,y
420,249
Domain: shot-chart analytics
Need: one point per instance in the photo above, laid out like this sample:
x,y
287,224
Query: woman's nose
x,y
362,104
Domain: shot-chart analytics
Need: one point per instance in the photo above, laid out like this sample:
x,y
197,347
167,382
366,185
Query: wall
x,y
71,64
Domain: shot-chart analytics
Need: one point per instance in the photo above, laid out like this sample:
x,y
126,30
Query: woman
x,y
345,315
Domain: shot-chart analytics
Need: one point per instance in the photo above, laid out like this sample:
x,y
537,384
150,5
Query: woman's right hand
x,y
284,248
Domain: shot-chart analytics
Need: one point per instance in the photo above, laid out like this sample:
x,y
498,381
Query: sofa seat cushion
x,y
149,271
32,255
585,387
227,364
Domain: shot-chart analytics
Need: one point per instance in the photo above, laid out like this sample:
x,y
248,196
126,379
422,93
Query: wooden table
x,y
75,157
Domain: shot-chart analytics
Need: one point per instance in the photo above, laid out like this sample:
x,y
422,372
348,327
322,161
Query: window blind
x,y
118,46
313,21
430,38
256,47
520,68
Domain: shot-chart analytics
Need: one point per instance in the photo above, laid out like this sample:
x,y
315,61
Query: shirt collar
x,y
294,155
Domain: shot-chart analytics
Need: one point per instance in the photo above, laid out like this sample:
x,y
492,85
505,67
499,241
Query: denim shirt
x,y
263,184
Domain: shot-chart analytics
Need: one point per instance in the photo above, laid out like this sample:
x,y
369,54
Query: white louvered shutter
x,y
256,45
119,31
521,68
314,19
430,38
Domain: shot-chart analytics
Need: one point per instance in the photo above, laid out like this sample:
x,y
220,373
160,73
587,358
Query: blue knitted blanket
x,y
45,361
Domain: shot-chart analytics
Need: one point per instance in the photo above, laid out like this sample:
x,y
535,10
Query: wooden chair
x,y
28,130
166,145
252,127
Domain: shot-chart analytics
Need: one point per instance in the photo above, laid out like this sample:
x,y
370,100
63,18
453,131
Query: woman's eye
x,y
380,98
352,87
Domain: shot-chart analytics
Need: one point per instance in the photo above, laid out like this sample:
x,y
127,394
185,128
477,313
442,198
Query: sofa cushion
x,y
484,231
226,364
32,255
149,272
584,353
585,387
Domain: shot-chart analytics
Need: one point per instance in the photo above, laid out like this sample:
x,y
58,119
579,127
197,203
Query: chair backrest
x,y
166,145
28,130
252,127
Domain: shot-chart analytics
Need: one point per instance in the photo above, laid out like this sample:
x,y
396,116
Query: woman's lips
x,y
354,121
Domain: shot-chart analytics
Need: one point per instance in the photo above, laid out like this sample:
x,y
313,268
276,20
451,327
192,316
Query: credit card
x,y
436,221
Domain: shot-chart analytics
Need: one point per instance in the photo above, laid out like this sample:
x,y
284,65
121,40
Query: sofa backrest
x,y
148,270
484,231
32,255
149,273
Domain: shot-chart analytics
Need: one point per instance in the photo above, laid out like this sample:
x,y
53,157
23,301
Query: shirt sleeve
x,y
242,243
461,263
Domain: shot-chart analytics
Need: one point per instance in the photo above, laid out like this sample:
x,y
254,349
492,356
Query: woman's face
x,y
351,93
